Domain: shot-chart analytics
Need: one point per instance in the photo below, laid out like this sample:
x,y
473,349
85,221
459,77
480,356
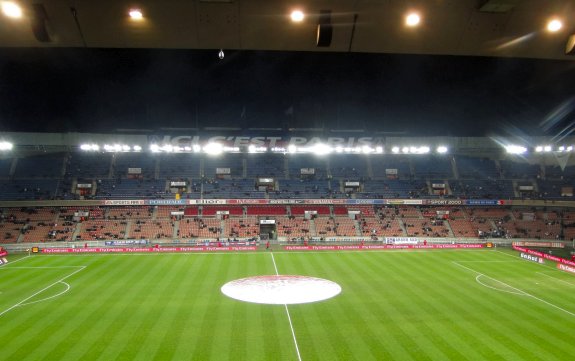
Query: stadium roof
x,y
469,68
514,28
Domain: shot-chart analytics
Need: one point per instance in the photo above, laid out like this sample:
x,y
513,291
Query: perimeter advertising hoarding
x,y
565,268
531,258
399,202
148,250
544,256
380,247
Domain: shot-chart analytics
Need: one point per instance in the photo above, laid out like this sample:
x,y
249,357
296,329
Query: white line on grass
x,y
49,298
42,290
42,267
557,279
517,289
287,312
495,288
12,262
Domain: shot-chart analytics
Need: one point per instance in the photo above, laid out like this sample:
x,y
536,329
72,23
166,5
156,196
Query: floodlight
x,y
539,149
292,148
86,147
547,148
6,146
570,148
339,149
168,148
252,148
412,19
554,25
11,9
136,14
126,148
395,150
423,150
154,148
213,148
196,148
379,149
561,149
321,149
442,149
515,149
137,148
366,149
297,16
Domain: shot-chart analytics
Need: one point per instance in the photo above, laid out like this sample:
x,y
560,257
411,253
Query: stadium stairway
x,y
176,230
448,226
312,228
76,232
402,226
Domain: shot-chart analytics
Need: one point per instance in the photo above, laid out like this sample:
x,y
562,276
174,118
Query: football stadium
x,y
269,213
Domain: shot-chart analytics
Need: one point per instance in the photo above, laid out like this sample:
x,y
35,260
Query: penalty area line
x,y
287,313
517,289
61,280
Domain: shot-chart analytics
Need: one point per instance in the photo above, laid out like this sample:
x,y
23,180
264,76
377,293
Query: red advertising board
x,y
148,250
380,247
566,268
545,256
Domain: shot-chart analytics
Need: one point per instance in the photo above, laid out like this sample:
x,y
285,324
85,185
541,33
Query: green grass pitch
x,y
394,305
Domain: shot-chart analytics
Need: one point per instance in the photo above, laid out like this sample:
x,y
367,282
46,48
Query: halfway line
x,y
287,312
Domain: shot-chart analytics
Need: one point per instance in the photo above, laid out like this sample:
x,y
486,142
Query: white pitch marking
x,y
518,290
494,288
12,262
557,279
288,315
49,298
42,267
42,290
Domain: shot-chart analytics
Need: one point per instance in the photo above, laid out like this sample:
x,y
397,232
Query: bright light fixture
x,y
137,148
395,150
136,14
515,149
539,149
547,148
213,148
442,149
6,146
292,148
554,25
297,16
412,19
321,149
12,10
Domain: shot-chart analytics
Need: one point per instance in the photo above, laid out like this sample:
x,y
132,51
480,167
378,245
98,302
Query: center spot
x,y
280,290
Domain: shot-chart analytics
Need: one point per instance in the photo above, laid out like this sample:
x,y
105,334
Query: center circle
x,y
281,289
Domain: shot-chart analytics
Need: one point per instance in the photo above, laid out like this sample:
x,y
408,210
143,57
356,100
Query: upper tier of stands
x,y
294,176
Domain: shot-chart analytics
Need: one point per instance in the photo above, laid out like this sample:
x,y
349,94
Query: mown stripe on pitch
x,y
107,331
197,297
522,314
395,295
324,320
499,311
368,341
203,346
59,322
454,305
154,320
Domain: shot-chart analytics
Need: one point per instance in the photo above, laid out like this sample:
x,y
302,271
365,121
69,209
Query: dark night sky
x,y
95,90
